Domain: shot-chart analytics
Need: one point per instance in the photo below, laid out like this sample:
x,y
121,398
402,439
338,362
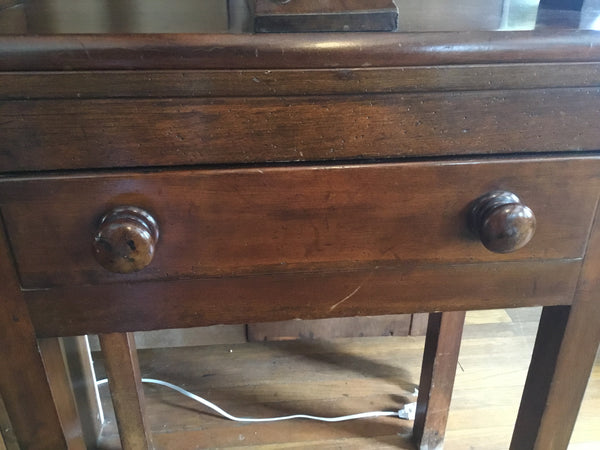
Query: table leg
x,y
563,357
23,383
442,344
561,363
57,373
124,380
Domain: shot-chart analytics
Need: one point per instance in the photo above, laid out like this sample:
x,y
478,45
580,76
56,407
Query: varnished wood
x,y
406,289
440,359
502,221
303,219
565,349
354,239
219,83
127,394
125,239
60,382
49,135
278,51
23,384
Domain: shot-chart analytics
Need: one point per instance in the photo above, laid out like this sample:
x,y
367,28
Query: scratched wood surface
x,y
57,134
344,376
271,220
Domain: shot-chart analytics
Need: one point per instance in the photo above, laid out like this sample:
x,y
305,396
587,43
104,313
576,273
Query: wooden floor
x,y
342,377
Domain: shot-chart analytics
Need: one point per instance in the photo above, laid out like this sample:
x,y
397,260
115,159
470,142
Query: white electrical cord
x,y
268,419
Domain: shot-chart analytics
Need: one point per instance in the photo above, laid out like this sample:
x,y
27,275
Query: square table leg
x,y
440,358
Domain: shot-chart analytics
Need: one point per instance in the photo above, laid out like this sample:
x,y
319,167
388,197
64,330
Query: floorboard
x,y
339,377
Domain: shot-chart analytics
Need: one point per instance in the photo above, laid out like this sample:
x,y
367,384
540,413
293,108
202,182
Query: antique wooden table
x,y
158,172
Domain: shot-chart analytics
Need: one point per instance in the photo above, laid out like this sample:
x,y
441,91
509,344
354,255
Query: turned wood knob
x,y
125,240
502,222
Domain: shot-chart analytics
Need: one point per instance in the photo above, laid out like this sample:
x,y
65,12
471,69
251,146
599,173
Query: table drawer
x,y
269,220
58,134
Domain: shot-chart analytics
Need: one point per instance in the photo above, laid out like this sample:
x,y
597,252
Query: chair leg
x,y
125,384
440,358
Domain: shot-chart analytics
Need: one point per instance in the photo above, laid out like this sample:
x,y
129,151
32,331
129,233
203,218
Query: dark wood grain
x,y
219,83
440,359
277,51
23,384
69,134
502,221
60,382
409,288
127,394
564,352
125,240
304,219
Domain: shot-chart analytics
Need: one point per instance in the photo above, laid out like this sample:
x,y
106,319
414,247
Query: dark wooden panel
x,y
293,219
333,15
274,51
23,384
407,289
41,135
219,83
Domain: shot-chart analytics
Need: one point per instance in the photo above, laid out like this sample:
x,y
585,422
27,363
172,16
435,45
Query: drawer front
x,y
58,134
256,221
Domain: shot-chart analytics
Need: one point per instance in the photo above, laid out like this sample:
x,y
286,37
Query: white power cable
x,y
224,413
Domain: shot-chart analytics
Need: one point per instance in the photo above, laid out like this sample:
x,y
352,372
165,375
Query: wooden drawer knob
x,y
502,222
125,240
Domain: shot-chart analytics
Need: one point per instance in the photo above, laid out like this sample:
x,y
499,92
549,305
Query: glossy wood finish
x,y
358,238
124,380
125,240
295,82
440,359
292,51
503,223
407,288
563,356
23,384
50,135
292,219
